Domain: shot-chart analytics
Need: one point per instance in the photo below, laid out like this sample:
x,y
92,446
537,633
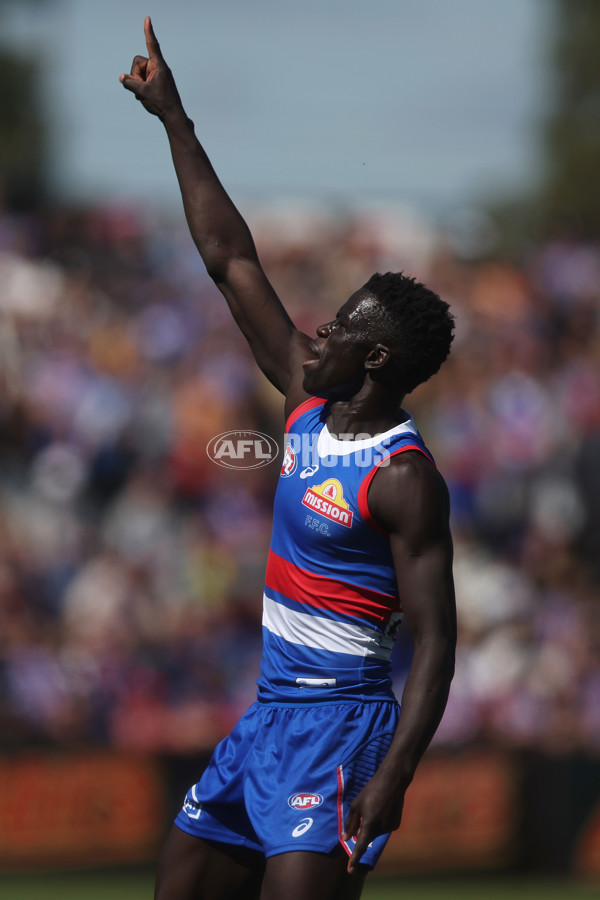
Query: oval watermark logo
x,y
242,449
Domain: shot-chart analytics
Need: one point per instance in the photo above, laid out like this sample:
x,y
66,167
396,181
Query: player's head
x,y
393,330
418,328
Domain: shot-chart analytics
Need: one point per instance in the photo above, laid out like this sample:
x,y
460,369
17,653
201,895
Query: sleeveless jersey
x,y
331,607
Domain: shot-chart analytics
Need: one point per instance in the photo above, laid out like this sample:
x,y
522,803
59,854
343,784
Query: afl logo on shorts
x,y
305,801
290,462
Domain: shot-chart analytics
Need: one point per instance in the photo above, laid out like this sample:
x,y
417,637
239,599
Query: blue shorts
x,y
285,777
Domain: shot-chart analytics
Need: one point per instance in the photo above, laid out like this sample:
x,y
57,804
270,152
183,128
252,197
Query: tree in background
x,y
571,187
23,142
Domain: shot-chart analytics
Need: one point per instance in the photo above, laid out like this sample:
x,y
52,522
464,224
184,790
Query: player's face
x,y
337,370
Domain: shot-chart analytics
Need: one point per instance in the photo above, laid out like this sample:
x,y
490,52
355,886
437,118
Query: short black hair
x,y
420,322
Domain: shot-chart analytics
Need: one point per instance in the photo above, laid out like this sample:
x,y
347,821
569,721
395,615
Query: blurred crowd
x,y
131,566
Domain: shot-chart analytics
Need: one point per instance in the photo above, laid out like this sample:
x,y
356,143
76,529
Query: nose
x,y
324,330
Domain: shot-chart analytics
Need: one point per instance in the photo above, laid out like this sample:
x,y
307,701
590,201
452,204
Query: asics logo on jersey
x,y
310,470
302,827
328,500
305,801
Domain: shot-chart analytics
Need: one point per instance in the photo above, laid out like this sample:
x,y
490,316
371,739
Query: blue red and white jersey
x,y
331,607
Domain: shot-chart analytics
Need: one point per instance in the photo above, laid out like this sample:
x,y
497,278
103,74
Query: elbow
x,y
224,263
217,260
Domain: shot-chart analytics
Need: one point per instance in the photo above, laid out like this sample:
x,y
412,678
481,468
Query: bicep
x,y
413,504
275,342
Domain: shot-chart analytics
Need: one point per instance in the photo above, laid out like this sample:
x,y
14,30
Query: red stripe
x,y
320,592
300,410
363,506
340,801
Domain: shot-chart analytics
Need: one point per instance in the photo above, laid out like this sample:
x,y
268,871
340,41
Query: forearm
x,y
217,227
378,807
423,702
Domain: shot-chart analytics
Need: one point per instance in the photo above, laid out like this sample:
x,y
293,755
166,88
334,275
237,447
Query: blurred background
x,y
459,142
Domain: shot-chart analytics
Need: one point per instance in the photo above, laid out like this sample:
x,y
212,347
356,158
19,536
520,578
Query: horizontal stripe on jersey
x,y
331,603
310,630
340,599
294,673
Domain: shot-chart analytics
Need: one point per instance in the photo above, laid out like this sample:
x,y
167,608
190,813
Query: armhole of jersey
x,y
311,403
363,491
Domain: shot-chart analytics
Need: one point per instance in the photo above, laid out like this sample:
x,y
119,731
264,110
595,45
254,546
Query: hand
x,y
377,810
151,79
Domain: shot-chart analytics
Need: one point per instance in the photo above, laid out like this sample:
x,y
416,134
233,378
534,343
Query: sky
x,y
436,103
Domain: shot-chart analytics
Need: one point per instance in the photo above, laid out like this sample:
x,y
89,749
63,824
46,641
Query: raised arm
x,y
219,231
409,498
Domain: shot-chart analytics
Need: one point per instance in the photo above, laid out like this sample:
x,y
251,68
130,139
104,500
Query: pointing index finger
x,y
154,51
360,847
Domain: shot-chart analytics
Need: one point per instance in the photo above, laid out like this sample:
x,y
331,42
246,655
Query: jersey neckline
x,y
329,445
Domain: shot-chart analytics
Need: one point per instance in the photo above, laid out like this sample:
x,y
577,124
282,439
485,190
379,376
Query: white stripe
x,y
197,812
328,445
345,844
311,630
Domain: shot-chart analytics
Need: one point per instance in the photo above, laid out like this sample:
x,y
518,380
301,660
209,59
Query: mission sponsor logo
x,y
305,801
328,500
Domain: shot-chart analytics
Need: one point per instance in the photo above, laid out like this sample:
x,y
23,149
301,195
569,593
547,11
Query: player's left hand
x,y
377,810
151,80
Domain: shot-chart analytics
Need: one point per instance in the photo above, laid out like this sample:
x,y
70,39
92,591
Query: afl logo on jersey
x,y
305,801
290,461
328,500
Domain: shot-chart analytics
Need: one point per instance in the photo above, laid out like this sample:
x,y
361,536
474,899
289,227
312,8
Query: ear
x,y
377,357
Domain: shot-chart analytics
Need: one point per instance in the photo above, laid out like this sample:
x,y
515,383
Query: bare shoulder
x,y
409,496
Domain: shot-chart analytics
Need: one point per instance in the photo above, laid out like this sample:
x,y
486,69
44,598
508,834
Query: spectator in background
x,y
102,344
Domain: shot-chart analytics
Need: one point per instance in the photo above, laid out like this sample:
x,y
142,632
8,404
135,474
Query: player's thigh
x,y
303,875
191,868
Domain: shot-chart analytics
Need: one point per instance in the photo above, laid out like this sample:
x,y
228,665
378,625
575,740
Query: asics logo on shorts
x,y
302,827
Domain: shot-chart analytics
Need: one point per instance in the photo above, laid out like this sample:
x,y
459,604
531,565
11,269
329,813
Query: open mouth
x,y
313,359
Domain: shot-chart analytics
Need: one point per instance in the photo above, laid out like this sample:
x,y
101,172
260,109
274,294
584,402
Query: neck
x,y
371,411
